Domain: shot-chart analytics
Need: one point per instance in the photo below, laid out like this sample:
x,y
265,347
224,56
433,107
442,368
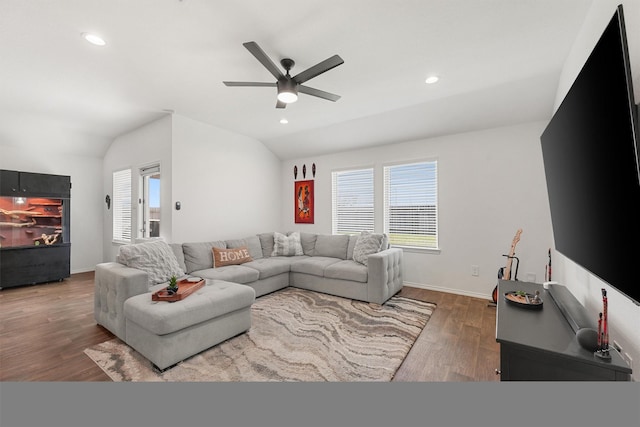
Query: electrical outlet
x,y
475,270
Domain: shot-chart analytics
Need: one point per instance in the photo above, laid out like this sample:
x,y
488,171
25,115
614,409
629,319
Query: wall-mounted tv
x,y
592,166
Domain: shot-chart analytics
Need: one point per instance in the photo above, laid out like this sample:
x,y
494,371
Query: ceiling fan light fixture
x,y
94,39
287,91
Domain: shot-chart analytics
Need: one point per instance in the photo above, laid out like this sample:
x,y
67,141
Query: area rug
x,y
296,335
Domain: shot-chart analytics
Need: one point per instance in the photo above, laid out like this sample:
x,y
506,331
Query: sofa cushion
x,y
213,301
332,245
347,270
156,258
199,255
230,273
271,266
235,256
266,242
353,238
368,243
251,242
286,245
313,265
308,242
177,251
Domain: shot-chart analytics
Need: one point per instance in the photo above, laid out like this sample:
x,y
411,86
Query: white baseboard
x,y
82,270
449,290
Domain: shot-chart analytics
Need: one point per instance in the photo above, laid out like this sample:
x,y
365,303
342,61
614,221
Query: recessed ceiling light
x,y
284,121
431,79
94,39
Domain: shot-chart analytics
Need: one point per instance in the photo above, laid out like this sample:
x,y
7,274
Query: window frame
x,y
368,218
122,196
434,194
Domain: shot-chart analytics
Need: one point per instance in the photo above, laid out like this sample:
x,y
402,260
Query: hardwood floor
x,y
45,328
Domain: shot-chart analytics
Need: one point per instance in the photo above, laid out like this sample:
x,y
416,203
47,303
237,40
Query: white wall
x,y
624,315
228,184
86,196
490,183
146,145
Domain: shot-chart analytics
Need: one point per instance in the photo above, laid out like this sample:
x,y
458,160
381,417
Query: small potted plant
x,y
173,285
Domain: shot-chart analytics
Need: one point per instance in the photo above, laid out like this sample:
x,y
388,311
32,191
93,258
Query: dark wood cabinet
x,y
27,184
36,264
35,239
541,344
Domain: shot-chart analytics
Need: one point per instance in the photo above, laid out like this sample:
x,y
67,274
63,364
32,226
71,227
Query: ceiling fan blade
x,y
318,69
280,104
250,84
319,93
263,58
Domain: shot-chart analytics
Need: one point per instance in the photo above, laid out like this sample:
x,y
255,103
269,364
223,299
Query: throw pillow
x,y
367,244
156,258
235,256
287,245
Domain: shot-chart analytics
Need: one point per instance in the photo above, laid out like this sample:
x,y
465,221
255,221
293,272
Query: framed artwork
x,y
303,200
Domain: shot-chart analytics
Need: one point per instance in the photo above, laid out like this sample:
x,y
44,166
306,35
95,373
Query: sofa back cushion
x,y
251,242
199,255
266,242
177,251
235,256
353,238
156,258
332,245
308,242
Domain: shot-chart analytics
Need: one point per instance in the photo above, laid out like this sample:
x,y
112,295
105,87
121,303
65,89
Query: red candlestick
x,y
605,327
600,332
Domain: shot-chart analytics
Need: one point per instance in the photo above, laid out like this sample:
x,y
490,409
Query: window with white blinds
x,y
122,206
352,198
411,204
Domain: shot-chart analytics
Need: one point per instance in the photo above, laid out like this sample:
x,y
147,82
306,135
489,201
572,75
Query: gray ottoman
x,y
167,333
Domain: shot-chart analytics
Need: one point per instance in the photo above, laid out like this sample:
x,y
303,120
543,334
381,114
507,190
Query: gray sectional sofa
x,y
333,264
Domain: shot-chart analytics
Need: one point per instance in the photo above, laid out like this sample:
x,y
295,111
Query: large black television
x,y
592,166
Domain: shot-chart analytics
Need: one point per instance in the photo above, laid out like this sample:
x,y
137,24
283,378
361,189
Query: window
x,y
150,212
122,206
352,196
411,204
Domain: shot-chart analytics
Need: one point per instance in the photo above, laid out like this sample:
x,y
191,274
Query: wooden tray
x,y
523,299
185,288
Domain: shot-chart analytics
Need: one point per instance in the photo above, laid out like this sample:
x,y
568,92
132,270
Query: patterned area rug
x,y
296,335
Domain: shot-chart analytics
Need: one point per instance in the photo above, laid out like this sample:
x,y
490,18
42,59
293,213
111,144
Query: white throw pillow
x,y
155,258
287,245
367,244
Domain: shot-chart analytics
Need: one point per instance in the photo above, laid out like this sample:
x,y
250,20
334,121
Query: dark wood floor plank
x,y
45,328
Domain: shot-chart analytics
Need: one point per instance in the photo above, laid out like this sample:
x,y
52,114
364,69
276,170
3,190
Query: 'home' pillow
x,y
287,245
235,256
367,244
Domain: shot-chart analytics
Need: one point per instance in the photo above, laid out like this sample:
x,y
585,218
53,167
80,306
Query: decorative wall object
x,y
304,171
295,172
313,170
303,201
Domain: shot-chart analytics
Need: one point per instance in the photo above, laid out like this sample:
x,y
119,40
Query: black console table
x,y
541,344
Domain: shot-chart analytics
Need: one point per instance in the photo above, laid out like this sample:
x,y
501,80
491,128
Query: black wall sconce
x,y
107,200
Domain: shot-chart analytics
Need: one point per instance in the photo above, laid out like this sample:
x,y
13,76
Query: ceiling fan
x,y
288,87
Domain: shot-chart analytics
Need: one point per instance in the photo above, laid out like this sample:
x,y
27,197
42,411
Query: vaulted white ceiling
x,y
499,62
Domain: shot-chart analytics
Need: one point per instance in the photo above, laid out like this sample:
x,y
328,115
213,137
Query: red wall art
x,y
303,202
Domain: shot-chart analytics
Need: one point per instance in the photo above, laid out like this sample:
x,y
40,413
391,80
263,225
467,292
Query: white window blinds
x,y
411,204
352,199
122,206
